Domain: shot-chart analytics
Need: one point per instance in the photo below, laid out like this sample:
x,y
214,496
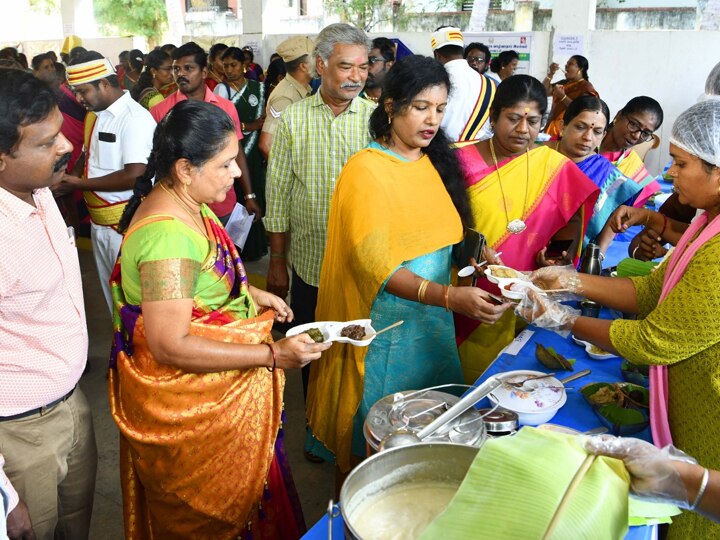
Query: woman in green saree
x,y
196,381
249,99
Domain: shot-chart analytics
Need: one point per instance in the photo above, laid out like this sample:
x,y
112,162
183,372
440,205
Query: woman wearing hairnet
x,y
677,331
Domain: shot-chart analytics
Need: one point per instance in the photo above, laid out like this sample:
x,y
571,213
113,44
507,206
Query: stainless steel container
x,y
425,462
413,410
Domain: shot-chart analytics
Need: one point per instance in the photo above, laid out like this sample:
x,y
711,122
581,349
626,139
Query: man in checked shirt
x,y
314,139
48,456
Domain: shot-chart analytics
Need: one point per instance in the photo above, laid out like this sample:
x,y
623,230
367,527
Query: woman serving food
x,y
682,294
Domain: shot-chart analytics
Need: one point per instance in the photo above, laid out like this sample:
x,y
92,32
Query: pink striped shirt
x,y
43,334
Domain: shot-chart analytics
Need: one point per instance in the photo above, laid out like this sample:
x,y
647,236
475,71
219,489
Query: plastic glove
x,y
539,310
653,475
558,277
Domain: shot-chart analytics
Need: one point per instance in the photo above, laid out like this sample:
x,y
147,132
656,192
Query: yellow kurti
x,y
683,332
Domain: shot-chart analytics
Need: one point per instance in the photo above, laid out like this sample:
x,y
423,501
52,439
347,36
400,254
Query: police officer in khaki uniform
x,y
295,52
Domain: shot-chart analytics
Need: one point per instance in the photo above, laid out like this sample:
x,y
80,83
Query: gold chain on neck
x,y
527,180
184,207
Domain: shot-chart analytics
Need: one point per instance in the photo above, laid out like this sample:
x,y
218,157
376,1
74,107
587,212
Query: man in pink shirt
x,y
190,71
49,457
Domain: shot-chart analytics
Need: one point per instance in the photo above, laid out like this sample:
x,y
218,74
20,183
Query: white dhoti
x,y
106,246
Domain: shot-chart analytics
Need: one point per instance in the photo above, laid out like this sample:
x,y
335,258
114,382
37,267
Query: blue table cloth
x,y
575,414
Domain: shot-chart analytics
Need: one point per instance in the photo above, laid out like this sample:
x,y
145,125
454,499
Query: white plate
x,y
493,268
536,395
588,348
331,331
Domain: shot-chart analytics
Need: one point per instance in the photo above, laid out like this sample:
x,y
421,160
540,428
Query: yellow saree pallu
x,y
556,191
409,214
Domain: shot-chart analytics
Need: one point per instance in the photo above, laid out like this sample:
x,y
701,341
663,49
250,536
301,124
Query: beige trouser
x,y
51,461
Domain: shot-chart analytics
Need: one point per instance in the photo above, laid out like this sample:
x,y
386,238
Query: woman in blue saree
x,y
583,127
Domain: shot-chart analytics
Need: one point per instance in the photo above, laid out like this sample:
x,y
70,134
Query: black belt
x,y
40,410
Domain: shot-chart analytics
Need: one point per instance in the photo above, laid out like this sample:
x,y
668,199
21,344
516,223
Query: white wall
x,y
669,66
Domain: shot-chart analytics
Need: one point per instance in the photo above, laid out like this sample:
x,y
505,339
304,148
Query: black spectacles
x,y
478,59
634,127
376,59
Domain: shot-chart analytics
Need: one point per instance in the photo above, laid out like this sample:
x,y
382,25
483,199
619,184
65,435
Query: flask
x,y
591,264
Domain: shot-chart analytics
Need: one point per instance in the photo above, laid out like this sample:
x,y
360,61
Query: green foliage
x,y
365,14
44,6
146,18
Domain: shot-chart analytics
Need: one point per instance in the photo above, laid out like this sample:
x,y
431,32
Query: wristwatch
x,y
250,196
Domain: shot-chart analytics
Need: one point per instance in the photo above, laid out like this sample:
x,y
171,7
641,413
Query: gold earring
x,y
185,187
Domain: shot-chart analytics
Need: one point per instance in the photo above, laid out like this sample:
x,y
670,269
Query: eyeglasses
x,y
376,59
634,127
478,59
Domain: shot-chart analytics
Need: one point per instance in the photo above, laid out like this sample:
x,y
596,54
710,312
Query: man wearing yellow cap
x,y
118,141
295,52
468,108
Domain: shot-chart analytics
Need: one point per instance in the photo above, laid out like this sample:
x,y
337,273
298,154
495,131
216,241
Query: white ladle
x,y
470,270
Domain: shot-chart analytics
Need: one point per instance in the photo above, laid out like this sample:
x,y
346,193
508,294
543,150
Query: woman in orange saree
x,y
521,198
575,84
196,384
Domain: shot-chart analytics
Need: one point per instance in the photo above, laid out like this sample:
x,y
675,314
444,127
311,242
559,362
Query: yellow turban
x,y
70,43
89,71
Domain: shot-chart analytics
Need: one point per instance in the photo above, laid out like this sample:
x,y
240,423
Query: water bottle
x,y
591,264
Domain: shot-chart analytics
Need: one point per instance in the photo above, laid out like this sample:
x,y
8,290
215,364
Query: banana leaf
x,y
551,359
516,484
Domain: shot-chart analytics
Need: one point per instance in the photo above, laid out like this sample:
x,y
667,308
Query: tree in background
x,y
146,18
366,14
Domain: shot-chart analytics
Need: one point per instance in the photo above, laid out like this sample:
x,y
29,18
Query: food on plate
x,y
621,407
594,349
353,331
504,272
316,334
552,360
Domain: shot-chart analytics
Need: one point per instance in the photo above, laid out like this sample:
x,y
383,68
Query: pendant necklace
x,y
516,226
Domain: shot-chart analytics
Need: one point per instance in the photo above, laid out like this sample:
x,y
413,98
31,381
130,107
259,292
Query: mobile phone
x,y
556,247
495,300
471,248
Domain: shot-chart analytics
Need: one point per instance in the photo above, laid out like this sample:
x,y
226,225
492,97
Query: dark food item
x,y
552,360
315,334
353,331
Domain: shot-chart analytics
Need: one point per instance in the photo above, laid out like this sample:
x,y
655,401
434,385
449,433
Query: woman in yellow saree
x,y
388,259
521,198
196,382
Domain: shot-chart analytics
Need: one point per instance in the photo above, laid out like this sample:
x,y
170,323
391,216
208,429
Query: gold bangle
x,y
647,219
447,297
422,289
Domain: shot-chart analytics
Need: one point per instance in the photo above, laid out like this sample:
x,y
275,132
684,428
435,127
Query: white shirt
x,y
466,86
132,127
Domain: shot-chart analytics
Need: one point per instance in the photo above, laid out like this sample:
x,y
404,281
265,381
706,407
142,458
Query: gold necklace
x,y
516,226
184,207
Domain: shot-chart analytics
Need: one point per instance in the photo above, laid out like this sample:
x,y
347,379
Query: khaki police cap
x,y
295,47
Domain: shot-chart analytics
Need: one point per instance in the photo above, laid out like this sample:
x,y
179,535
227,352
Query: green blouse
x,y
166,260
683,332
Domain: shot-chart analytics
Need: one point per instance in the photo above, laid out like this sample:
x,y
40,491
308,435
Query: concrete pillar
x,y
252,17
524,15
575,18
78,18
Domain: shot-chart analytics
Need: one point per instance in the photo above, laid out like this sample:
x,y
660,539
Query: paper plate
x,y
331,331
593,353
536,396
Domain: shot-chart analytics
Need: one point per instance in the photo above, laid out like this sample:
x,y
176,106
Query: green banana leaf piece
x,y
551,359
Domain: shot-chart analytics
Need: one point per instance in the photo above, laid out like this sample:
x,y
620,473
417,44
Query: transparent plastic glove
x,y
653,476
539,310
558,277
